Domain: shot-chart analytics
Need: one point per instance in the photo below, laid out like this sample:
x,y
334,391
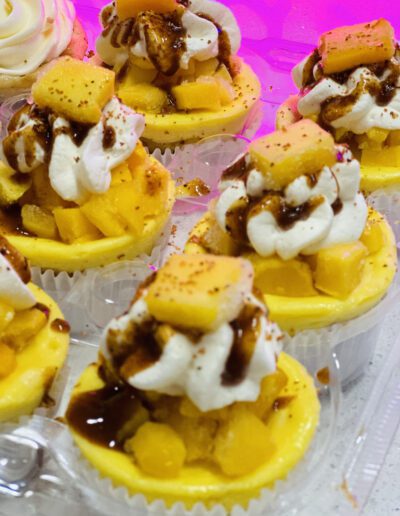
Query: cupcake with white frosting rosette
x,y
176,62
350,85
324,261
32,34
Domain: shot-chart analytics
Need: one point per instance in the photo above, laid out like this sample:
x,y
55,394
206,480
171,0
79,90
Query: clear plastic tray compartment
x,y
41,468
39,474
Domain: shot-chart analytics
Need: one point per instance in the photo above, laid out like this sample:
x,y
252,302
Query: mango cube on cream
x,y
338,269
200,291
131,8
301,149
76,90
351,46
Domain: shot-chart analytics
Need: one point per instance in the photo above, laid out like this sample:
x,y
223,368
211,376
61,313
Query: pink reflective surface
x,y
278,33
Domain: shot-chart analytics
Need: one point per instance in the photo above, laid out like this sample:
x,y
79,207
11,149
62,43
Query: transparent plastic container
x,y
38,472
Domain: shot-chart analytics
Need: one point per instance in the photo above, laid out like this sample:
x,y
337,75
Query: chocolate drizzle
x,y
165,39
40,133
246,329
337,206
60,326
239,170
16,260
109,136
138,350
100,415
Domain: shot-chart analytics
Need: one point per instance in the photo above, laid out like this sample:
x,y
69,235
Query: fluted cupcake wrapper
x,y
353,342
102,494
90,298
387,202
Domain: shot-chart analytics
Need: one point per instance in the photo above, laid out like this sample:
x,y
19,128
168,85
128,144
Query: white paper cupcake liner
x,y
109,499
353,342
85,305
54,394
387,202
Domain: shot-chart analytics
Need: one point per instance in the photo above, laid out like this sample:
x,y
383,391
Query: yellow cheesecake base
x,y
37,364
163,130
291,428
294,314
59,256
378,177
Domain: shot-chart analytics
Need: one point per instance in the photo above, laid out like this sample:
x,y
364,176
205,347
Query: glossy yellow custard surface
x,y
37,364
291,428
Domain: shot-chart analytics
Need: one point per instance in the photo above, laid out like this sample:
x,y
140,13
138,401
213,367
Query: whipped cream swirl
x,y
196,369
33,32
13,291
335,210
361,110
77,167
200,35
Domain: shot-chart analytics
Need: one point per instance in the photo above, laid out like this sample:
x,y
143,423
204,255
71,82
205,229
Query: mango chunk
x,y
275,276
6,315
74,89
338,269
8,360
43,193
198,95
39,222
271,386
24,326
351,46
12,186
244,431
208,67
143,97
217,241
374,236
103,214
386,157
136,75
138,158
159,451
74,227
197,434
303,148
131,8
393,138
222,73
121,174
200,291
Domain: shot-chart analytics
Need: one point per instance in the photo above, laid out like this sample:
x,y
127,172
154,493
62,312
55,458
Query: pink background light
x,y
277,34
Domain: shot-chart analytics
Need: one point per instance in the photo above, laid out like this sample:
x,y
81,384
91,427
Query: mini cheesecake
x,y
176,63
291,206
350,86
195,407
78,189
34,338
